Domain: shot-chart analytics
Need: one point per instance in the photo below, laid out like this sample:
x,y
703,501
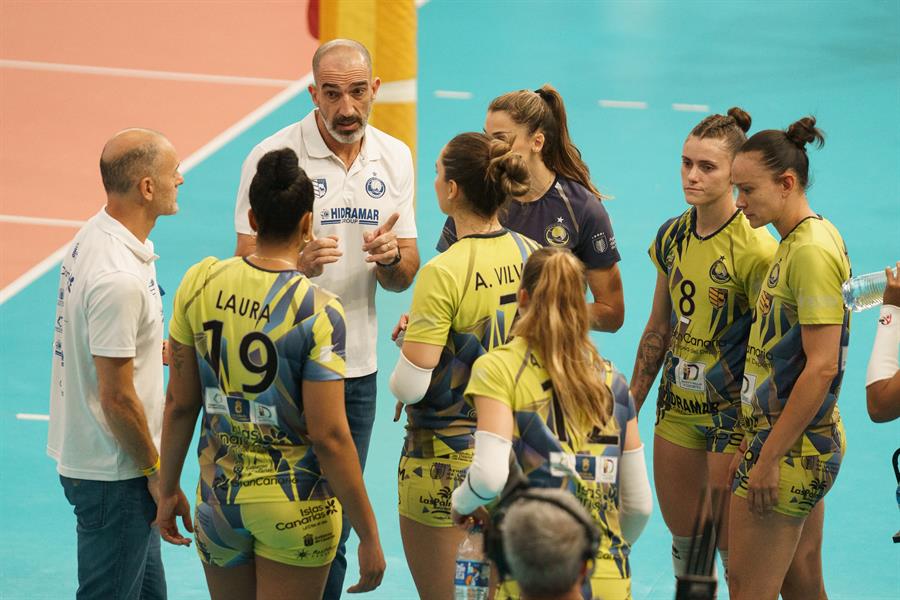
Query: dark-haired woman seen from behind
x,y
794,440
562,207
566,413
710,265
260,350
463,304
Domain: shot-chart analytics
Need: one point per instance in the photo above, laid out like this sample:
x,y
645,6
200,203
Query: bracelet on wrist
x,y
154,468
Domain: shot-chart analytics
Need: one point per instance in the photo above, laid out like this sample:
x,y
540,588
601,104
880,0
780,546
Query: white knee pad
x,y
681,554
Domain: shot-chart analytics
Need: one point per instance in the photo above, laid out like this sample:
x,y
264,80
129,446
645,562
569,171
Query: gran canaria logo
x,y
774,274
718,272
556,233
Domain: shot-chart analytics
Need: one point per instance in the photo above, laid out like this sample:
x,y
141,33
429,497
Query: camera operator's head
x,y
549,542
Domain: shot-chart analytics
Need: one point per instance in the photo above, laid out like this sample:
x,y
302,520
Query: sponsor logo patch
x,y
718,297
765,302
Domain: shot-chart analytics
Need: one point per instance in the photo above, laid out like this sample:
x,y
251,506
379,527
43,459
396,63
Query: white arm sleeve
x,y
635,499
883,363
409,382
486,476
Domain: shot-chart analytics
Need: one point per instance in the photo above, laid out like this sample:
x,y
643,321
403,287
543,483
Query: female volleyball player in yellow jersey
x,y
463,304
562,207
261,350
710,265
794,440
568,416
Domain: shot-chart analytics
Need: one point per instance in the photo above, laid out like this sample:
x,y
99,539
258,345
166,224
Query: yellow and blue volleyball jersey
x,y
465,301
803,287
551,452
257,334
713,282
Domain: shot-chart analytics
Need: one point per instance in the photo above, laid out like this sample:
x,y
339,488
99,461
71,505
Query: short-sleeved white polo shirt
x,y
108,304
348,202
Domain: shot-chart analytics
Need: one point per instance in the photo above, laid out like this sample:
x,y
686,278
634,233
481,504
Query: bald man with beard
x,y
364,227
106,395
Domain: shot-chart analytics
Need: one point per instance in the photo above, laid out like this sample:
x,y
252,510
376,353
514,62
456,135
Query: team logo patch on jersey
x,y
718,297
601,245
320,186
774,274
556,233
375,187
718,272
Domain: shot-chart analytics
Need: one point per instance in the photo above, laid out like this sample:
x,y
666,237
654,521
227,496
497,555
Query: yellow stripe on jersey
x,y
713,282
257,335
803,287
542,441
465,301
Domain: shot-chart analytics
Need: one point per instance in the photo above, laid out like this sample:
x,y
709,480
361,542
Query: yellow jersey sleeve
x,y
757,257
327,354
815,278
180,326
491,378
659,248
434,304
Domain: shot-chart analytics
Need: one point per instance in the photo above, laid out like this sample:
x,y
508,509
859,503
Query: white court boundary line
x,y
22,220
633,104
187,164
703,108
31,65
453,94
32,417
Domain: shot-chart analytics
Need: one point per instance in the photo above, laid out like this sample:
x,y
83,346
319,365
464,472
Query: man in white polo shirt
x,y
363,220
106,395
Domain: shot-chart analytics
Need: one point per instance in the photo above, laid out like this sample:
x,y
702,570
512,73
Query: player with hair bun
x,y
260,349
794,438
463,304
710,264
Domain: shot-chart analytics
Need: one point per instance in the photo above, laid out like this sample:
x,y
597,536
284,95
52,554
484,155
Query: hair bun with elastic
x,y
507,170
279,169
804,131
741,118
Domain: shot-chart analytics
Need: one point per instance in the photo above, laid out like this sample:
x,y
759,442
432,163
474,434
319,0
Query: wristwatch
x,y
393,263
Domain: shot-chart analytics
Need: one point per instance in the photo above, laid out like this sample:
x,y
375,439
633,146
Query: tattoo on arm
x,y
178,356
651,352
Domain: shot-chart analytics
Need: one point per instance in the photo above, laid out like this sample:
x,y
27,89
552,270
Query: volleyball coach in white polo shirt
x,y
363,220
106,390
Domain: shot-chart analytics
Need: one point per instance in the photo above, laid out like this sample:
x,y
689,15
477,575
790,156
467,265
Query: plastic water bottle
x,y
864,291
472,568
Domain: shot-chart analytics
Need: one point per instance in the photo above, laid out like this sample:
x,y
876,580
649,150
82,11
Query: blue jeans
x,y
359,398
118,551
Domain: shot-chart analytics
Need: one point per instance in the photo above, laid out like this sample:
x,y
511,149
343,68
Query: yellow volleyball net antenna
x,y
388,29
